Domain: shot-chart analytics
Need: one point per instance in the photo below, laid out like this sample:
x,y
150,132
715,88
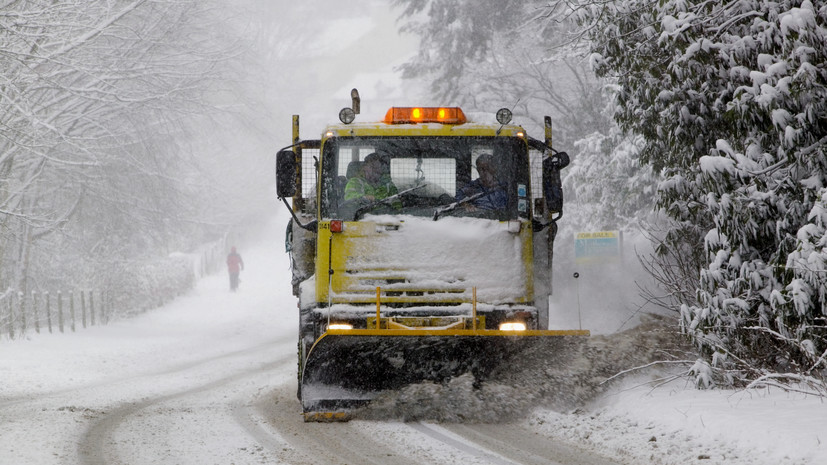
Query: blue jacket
x,y
495,198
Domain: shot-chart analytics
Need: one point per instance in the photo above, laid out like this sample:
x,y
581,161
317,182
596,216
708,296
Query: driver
x,y
373,183
494,193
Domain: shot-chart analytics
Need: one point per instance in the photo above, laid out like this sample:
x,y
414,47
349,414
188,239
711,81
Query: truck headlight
x,y
339,326
512,326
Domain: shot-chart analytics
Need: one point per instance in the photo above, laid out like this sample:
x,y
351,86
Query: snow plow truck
x,y
440,276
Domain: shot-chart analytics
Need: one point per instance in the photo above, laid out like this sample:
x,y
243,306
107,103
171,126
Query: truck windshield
x,y
484,177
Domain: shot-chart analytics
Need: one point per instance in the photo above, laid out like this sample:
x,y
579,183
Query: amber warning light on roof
x,y
445,115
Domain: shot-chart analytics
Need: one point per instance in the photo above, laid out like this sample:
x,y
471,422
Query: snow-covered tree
x,y
731,100
609,188
99,101
484,55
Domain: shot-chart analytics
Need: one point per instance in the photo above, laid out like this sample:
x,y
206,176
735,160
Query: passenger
x,y
494,192
373,182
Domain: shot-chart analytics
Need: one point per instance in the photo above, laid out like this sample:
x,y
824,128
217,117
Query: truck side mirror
x,y
286,173
552,183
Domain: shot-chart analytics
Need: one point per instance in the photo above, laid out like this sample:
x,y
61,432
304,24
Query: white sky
x,y
311,69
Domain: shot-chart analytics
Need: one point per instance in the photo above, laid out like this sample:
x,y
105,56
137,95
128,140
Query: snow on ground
x,y
677,424
167,336
633,423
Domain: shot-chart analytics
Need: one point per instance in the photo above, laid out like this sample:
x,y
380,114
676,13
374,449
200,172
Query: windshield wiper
x,y
373,205
453,206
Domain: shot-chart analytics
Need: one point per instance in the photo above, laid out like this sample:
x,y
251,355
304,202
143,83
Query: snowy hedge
x,y
150,284
731,100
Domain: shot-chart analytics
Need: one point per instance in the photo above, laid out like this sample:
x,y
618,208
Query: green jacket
x,y
358,187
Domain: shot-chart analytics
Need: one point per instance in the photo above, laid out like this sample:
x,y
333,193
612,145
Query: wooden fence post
x,y
83,307
11,316
108,308
72,308
92,305
35,313
21,301
60,309
48,310
102,310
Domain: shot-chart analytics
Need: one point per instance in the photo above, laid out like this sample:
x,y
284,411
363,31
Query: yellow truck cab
x,y
430,262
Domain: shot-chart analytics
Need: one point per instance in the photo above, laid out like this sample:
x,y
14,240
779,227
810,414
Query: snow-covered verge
x,y
688,425
677,424
652,414
119,290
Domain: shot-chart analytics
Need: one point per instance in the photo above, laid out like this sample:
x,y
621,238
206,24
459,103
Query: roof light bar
x,y
408,115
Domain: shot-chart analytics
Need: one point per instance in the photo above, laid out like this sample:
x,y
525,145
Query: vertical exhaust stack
x,y
356,101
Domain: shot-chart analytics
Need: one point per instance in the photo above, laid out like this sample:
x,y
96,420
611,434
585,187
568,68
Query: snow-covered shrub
x,y
731,100
140,286
606,187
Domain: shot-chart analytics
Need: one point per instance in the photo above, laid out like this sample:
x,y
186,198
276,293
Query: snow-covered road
x,y
210,378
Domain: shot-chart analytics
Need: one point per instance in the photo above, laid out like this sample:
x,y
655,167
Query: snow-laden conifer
x,y
731,100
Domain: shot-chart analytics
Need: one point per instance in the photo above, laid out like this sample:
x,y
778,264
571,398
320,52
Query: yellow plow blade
x,y
347,368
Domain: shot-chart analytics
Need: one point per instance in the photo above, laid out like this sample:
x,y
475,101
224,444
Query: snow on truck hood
x,y
450,254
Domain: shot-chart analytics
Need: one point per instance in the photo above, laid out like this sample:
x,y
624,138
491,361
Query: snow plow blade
x,y
346,369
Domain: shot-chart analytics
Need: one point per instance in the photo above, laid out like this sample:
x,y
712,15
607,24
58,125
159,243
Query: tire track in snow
x,y
313,443
97,446
184,366
525,446
476,450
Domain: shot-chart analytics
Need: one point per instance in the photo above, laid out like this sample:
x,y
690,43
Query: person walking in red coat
x,y
234,265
